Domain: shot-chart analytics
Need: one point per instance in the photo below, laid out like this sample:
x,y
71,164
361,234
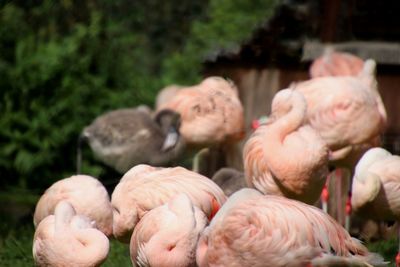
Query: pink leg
x,y
325,196
339,199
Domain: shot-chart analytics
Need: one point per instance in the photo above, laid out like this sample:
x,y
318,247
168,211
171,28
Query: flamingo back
x,y
86,194
276,231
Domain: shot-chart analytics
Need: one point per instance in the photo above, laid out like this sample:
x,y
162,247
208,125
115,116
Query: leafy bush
x,y
63,63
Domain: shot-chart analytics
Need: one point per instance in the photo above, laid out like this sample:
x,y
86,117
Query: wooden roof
x,y
366,28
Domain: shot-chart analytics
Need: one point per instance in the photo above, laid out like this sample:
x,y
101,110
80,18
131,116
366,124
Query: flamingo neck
x,y
96,246
293,119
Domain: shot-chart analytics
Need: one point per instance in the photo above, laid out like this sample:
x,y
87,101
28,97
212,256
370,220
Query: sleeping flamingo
x,y
168,235
145,187
276,231
211,112
67,239
85,193
376,187
285,156
334,63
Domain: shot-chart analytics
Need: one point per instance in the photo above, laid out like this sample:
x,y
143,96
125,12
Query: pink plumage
x,y
85,193
168,235
211,112
145,187
333,63
67,239
276,231
284,156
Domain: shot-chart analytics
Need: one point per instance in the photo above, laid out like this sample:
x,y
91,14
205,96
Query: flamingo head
x,y
125,218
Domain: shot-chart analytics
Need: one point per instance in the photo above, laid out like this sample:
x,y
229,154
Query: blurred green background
x,y
63,63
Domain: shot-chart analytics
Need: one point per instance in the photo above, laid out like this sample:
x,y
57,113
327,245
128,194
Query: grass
x,y
16,248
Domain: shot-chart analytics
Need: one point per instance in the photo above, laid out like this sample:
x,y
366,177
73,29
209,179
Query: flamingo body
x,y
284,156
67,239
211,112
333,63
168,235
144,187
86,194
276,231
376,185
124,138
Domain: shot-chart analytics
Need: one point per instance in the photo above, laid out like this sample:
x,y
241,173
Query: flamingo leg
x,y
339,199
325,195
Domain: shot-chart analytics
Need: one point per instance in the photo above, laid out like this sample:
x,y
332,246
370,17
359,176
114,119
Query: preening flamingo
x,y
85,193
285,156
276,231
126,137
211,112
145,187
376,186
67,239
168,235
339,110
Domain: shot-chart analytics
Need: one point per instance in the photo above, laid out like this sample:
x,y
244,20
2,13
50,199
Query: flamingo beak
x,y
170,140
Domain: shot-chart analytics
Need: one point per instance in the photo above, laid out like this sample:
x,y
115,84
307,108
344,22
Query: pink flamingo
x,y
168,235
376,187
67,239
333,63
285,156
340,108
144,187
276,231
166,94
85,193
211,112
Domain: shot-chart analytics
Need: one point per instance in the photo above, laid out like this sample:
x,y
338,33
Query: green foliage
x,y
63,63
16,247
227,25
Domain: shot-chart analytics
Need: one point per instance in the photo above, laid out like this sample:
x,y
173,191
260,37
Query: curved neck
x,y
96,246
293,119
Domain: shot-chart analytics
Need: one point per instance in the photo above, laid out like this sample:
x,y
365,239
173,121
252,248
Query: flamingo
x,y
376,187
67,239
267,230
166,94
145,187
230,180
168,235
85,193
211,112
124,138
285,156
340,107
333,63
